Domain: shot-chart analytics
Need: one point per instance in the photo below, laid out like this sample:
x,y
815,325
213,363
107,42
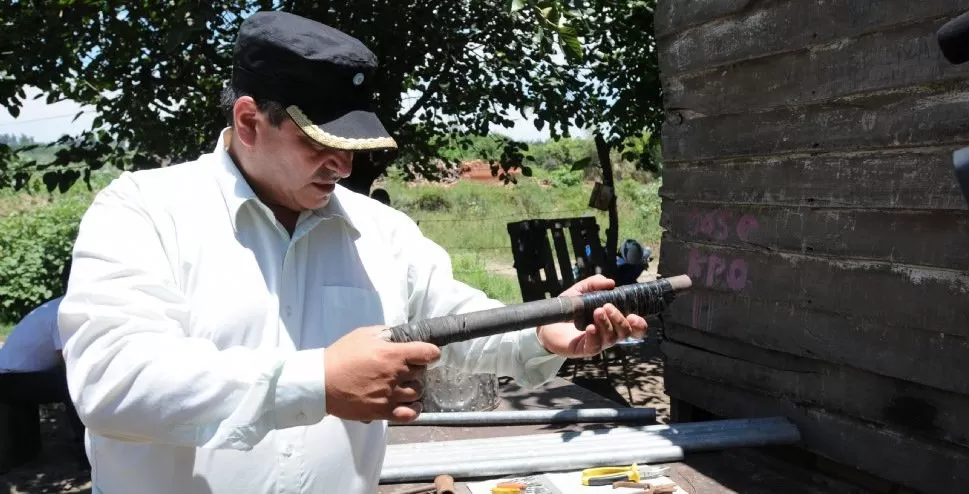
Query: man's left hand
x,y
610,325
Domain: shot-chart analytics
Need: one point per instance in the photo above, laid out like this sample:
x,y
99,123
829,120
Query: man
x,y
32,368
222,322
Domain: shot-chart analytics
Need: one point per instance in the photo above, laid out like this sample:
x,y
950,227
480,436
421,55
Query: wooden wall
x,y
810,194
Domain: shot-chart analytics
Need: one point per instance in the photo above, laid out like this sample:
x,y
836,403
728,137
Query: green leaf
x,y
570,44
51,179
581,164
516,5
526,171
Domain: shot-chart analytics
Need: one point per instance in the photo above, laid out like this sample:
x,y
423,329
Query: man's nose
x,y
339,162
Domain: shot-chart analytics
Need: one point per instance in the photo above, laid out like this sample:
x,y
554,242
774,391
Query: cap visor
x,y
354,131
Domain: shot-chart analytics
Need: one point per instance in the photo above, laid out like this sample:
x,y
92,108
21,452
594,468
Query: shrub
x,y
433,200
34,247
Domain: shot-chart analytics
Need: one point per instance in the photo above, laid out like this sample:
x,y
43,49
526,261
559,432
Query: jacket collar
x,y
236,191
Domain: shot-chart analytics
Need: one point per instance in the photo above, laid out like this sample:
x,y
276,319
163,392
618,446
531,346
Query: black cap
x,y
321,75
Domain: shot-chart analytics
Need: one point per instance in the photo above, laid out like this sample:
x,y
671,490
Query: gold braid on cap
x,y
329,140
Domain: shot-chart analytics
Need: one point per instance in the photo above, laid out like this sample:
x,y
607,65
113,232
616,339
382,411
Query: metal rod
x,y
516,417
525,453
566,457
644,299
615,433
527,450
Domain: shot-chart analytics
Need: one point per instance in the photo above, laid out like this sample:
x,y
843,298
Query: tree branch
x,y
431,89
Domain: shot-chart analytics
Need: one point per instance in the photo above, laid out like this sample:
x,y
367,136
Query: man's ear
x,y
245,120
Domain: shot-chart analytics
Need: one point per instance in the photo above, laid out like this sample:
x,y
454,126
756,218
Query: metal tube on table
x,y
517,417
644,299
565,458
524,451
615,433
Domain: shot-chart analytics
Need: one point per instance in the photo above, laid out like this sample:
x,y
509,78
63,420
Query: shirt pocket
x,y
342,309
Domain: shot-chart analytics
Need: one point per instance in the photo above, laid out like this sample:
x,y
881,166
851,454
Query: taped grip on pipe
x,y
644,299
461,327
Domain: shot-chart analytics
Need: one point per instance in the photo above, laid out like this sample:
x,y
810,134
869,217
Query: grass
x,y
468,219
5,328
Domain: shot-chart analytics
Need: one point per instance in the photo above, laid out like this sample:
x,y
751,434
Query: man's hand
x,y
369,378
610,325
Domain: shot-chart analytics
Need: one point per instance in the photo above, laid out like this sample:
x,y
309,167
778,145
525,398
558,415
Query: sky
x,y
47,122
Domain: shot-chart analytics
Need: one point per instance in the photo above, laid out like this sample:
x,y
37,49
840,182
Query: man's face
x,y
301,172
289,169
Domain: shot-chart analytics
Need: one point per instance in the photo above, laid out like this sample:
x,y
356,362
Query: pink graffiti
x,y
695,268
715,267
719,225
712,270
737,275
747,226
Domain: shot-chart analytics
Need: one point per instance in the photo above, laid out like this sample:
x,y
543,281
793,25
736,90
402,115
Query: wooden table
x,y
736,470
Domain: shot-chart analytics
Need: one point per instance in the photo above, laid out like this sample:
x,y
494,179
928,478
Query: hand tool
x,y
609,475
643,299
421,489
647,487
444,484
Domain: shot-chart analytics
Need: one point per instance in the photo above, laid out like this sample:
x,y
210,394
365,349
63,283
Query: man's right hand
x,y
369,378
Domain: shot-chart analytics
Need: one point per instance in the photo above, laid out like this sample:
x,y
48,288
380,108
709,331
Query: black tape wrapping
x,y
461,327
644,299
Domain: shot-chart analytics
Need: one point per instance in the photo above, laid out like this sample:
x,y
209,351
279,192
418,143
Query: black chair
x,y
551,255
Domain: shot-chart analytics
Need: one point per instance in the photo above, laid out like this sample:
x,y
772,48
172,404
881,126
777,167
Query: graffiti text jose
x,y
718,225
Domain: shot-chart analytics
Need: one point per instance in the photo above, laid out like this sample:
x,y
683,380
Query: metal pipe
x,y
527,450
552,439
566,457
644,299
517,417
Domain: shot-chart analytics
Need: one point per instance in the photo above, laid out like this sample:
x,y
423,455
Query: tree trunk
x,y
612,231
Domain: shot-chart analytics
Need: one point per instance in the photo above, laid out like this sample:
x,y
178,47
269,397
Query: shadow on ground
x,y
57,469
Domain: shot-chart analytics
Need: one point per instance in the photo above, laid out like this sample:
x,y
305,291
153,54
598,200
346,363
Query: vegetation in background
x,y
467,218
37,232
153,72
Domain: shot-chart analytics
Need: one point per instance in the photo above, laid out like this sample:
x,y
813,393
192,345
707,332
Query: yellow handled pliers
x,y
608,475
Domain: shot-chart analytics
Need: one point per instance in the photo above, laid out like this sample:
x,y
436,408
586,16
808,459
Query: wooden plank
x,y
916,410
922,465
562,254
551,285
931,358
919,297
910,178
927,238
898,120
674,15
879,61
780,26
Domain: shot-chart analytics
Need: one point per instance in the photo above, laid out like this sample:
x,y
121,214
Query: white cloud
x,y
45,122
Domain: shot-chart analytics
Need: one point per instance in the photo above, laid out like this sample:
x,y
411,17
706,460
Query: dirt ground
x,y
57,469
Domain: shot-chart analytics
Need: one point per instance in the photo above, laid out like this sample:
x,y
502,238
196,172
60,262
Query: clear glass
x,y
448,390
